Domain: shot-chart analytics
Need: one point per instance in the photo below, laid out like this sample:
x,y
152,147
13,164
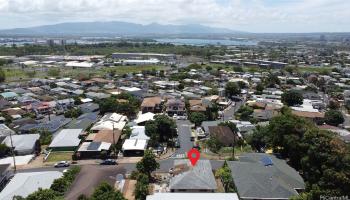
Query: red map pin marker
x,y
193,155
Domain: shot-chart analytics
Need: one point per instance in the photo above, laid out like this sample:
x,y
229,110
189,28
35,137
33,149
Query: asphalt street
x,y
165,165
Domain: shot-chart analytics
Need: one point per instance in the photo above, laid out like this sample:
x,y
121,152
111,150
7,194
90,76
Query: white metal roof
x,y
145,117
79,64
139,132
108,125
134,144
23,184
67,138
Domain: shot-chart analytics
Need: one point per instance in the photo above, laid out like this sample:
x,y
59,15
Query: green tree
x,y
214,144
224,173
325,164
104,191
259,139
238,69
151,130
333,104
53,72
292,97
60,185
334,117
4,150
141,188
272,80
162,129
45,137
259,88
286,131
73,113
181,86
43,194
147,164
197,118
108,105
208,68
232,89
245,113
77,100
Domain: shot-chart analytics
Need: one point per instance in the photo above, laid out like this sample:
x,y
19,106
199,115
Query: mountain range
x,y
115,28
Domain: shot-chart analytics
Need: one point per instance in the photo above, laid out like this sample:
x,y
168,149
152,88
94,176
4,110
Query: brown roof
x,y
260,104
151,101
223,133
88,82
196,105
308,114
101,80
14,111
107,136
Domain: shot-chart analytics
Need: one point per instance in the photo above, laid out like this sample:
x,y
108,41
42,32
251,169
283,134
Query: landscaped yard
x,y
224,153
59,156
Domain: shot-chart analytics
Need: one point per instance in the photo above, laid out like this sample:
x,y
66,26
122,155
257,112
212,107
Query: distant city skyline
x,y
259,16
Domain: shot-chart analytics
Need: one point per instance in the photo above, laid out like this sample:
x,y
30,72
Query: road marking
x,y
182,155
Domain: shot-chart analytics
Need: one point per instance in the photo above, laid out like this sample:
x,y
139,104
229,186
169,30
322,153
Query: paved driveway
x,y
184,132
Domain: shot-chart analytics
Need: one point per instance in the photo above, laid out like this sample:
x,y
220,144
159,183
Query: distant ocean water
x,y
201,42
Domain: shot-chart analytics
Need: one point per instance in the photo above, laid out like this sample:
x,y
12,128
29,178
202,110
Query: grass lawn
x,y
59,156
226,152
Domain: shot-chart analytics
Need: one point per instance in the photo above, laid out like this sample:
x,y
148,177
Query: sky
x,y
260,16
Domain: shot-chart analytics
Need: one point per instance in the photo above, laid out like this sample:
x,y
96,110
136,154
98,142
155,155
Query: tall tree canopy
x,y
148,163
292,97
232,89
334,117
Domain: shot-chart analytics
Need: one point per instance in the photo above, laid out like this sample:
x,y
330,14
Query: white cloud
x,y
248,15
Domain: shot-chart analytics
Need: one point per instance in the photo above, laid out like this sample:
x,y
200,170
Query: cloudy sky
x,y
245,15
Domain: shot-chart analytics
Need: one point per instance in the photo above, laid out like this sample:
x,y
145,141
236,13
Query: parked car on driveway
x,y
62,164
108,162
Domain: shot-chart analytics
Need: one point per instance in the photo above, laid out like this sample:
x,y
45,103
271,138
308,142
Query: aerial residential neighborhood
x,y
114,110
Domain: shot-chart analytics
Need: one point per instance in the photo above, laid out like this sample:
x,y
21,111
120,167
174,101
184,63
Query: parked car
x,y
62,164
184,117
108,162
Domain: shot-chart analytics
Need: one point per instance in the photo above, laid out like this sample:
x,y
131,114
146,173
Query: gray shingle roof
x,y
254,180
22,142
198,177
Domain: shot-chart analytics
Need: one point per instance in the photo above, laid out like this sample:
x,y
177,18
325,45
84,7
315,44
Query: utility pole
x,y
13,153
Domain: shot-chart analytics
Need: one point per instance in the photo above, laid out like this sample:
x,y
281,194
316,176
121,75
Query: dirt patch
x,y
90,177
129,188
